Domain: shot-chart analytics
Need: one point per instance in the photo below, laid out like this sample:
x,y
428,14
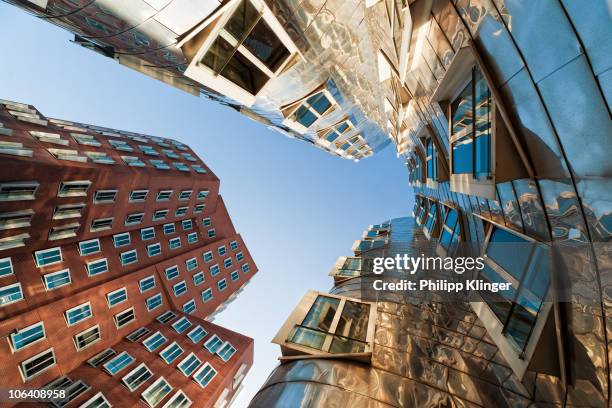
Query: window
x,y
181,211
73,188
16,219
133,161
165,317
47,257
49,137
18,191
198,168
189,306
159,164
154,302
234,245
6,267
170,353
234,276
189,364
181,325
192,237
101,224
206,222
337,132
207,295
78,314
133,219
129,257
185,195
221,250
198,278
27,336
138,195
124,318
202,194
116,297
64,231
156,392
207,256
198,208
180,166
101,357
188,157
100,158
147,233
146,284
170,154
226,351
227,263
57,279
68,211
169,228
137,377
154,249
97,401
172,272
222,285
89,247
122,239
105,196
97,267
164,195
432,160
245,268
174,243
214,270
213,344
178,400
179,288
312,108
120,145
87,338
187,224
160,215
451,230
14,149
153,342
37,364
87,140
148,150
197,334
211,233
239,256
70,155
73,390
118,363
137,334
191,264
204,375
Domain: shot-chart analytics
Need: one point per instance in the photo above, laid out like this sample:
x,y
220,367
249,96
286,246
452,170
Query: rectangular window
x,y
147,283
227,263
120,145
213,344
181,325
164,195
57,279
192,237
181,211
207,222
73,188
148,150
169,228
101,357
87,338
170,353
133,161
154,249
174,243
312,108
172,272
118,363
165,317
27,336
137,334
87,140
178,400
235,276
159,164
208,256
222,285
187,224
6,267
180,166
101,224
124,318
197,334
62,212
89,247
70,155
239,256
64,231
202,194
245,268
78,314
198,278
100,157
156,392
16,219
129,257
18,191
160,215
204,375
133,219
46,257
154,302
189,364
179,288
37,364
138,196
185,195
226,351
147,233
189,306
234,245
97,267
15,149
191,264
189,157
122,239
10,294
198,208
214,270
97,401
222,251
116,297
105,196
170,154
154,341
211,233
207,295
137,377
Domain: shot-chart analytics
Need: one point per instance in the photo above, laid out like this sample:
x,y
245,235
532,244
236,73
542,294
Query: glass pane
x,y
319,102
344,345
243,19
304,116
266,46
343,127
321,314
509,251
461,112
307,337
354,321
243,73
218,55
451,219
463,155
500,302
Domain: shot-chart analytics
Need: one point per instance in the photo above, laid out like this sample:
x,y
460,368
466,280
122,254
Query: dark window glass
x,y
500,302
304,116
509,251
461,111
354,321
482,109
319,102
463,155
321,313
266,46
243,20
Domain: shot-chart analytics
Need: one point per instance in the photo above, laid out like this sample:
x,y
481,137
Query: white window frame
x,y
169,192
97,201
87,242
130,386
26,377
48,250
124,312
123,289
18,331
75,308
47,288
73,183
155,384
91,329
104,227
18,284
138,200
19,184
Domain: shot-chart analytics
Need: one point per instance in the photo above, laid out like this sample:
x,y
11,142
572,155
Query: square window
x,y
208,256
147,233
37,364
221,250
235,275
172,272
154,249
192,237
135,378
133,219
204,375
207,295
101,224
124,318
174,243
207,222
154,302
191,264
179,288
169,229
160,215
222,285
189,306
22,338
211,233
181,211
198,278
118,363
187,224
6,267
214,270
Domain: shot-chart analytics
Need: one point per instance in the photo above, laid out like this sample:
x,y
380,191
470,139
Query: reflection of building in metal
x,y
116,250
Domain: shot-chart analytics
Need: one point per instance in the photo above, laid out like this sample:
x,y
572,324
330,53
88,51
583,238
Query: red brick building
x,y
109,239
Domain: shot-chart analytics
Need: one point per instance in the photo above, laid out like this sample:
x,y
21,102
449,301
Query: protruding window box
x,y
305,112
328,326
348,268
484,148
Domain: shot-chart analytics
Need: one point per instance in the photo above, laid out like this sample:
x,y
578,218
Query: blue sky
x,y
297,207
